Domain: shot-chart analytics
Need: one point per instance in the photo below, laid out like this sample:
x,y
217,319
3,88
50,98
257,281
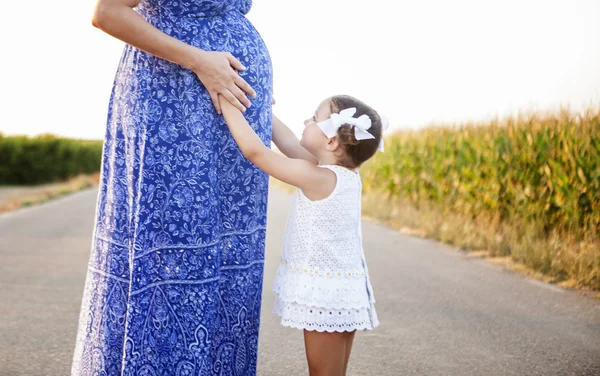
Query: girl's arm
x,y
214,69
314,181
287,142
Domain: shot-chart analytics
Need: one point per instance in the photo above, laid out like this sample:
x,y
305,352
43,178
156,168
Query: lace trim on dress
x,y
301,316
343,292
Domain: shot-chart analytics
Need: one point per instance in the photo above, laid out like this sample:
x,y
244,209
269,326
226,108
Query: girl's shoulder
x,y
345,179
341,170
344,175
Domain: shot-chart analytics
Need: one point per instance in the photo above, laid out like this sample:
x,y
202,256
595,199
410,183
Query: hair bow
x,y
385,124
361,124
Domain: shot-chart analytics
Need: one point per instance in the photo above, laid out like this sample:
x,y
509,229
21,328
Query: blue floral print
x,y
175,274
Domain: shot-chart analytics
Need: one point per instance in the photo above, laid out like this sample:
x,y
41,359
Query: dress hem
x,y
323,330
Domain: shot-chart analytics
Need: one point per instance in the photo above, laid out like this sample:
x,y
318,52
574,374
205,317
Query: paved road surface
x,y
441,313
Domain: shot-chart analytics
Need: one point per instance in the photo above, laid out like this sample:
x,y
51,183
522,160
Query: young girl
x,y
322,283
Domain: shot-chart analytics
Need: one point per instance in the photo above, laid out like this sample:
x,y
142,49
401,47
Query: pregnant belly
x,y
231,32
171,102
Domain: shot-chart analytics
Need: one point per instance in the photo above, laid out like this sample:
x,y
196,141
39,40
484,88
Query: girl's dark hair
x,y
358,151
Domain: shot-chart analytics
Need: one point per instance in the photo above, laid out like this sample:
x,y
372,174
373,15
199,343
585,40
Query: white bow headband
x,y
360,124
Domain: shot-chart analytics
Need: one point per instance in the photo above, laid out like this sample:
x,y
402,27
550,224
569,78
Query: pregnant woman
x,y
175,274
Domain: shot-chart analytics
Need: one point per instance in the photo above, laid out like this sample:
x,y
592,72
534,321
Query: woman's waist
x,y
176,23
200,11
212,32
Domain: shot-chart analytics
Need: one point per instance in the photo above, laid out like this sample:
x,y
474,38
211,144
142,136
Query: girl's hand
x,y
316,182
218,73
287,142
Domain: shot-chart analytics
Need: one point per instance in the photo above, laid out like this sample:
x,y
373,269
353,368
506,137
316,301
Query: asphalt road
x,y
441,312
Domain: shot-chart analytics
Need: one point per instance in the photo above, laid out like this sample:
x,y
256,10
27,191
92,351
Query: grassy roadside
x,y
31,195
472,236
463,234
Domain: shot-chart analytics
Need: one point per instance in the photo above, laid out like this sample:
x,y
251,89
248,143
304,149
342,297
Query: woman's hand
x,y
218,72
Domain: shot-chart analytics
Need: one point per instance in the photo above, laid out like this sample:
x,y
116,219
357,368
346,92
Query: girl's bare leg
x,y
349,341
325,352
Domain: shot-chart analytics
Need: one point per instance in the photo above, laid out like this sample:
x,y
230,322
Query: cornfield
x,y
532,182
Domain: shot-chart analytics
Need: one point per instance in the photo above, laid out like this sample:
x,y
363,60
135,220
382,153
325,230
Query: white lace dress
x,y
322,282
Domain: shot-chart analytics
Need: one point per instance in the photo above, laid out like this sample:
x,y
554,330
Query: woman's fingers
x,y
233,100
235,63
239,94
239,81
220,75
242,84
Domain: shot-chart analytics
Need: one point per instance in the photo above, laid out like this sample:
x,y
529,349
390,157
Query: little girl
x,y
322,283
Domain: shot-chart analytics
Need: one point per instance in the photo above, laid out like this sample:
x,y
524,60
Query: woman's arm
x,y
315,182
287,142
216,70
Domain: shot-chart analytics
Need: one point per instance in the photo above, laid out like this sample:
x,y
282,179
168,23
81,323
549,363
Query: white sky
x,y
415,61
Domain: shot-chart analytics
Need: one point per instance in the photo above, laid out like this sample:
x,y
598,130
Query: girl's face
x,y
313,139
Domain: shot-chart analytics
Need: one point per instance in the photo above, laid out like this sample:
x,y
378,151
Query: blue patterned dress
x,y
175,274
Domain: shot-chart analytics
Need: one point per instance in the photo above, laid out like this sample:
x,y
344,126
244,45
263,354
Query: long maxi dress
x,y
176,268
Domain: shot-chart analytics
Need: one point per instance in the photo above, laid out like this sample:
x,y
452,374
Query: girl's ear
x,y
333,144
